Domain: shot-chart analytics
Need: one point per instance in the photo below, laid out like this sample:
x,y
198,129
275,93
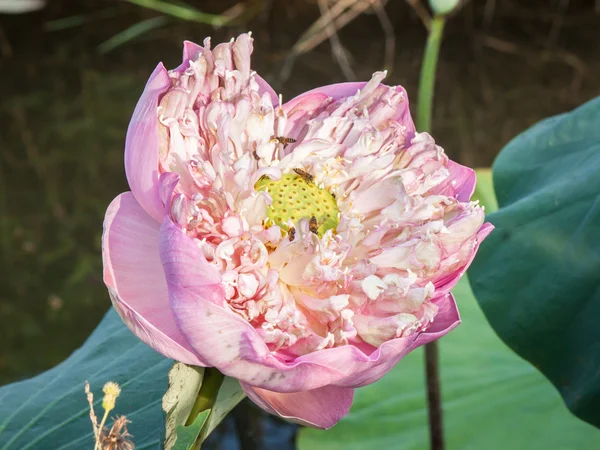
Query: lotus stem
x,y
208,393
213,379
434,397
424,107
428,70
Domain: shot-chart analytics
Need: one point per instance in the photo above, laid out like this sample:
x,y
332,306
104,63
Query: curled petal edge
x,y
314,98
141,145
444,286
191,50
460,182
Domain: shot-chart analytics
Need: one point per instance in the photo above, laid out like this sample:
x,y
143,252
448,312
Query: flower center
x,y
296,197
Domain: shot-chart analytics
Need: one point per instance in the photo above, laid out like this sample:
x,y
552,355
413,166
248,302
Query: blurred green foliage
x,y
537,276
61,164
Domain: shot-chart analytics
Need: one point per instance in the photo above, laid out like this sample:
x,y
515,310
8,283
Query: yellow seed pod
x,y
295,197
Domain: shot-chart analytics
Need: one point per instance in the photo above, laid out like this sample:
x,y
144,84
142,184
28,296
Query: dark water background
x,y
65,107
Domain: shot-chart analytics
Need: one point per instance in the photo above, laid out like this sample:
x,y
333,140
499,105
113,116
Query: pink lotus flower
x,y
302,248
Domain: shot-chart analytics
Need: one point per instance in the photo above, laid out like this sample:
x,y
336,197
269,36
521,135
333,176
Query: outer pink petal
x,y
444,286
319,408
361,369
141,145
135,279
263,87
192,50
460,183
311,100
221,337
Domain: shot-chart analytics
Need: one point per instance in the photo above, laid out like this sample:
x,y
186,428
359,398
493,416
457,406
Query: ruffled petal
x,y
224,339
135,279
263,87
363,367
445,285
302,107
318,408
460,183
465,179
141,145
191,51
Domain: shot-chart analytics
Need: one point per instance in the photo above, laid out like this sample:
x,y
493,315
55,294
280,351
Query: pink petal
x,y
135,279
460,184
484,232
362,370
192,50
445,285
141,145
224,339
186,267
312,100
263,87
319,408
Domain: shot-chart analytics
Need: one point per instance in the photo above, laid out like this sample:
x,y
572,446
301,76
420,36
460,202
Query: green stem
x,y
428,68
208,393
424,106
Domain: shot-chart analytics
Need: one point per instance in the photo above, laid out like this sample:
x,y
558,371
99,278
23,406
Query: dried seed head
x,y
118,438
